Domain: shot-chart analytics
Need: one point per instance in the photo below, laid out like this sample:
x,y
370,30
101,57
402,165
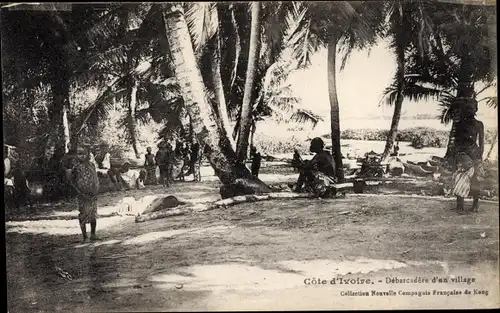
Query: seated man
x,y
318,175
124,177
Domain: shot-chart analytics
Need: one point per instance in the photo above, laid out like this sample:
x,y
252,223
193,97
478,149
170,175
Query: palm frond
x,y
202,21
389,95
100,108
416,92
492,101
448,108
143,116
300,37
306,116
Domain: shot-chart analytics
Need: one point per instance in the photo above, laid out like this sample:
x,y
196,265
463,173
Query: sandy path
x,y
257,257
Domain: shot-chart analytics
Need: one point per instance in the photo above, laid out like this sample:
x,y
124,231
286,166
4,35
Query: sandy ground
x,y
257,256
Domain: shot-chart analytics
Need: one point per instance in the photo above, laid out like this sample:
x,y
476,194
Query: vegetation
x,y
180,71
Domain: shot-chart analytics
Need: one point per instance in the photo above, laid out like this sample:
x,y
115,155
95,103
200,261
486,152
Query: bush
x,y
420,137
272,145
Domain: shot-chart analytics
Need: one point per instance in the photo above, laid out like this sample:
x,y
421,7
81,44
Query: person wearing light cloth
x,y
462,176
317,175
468,157
106,161
86,183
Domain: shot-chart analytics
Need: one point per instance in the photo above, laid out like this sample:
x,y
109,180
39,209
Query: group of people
x,y
16,185
173,164
316,175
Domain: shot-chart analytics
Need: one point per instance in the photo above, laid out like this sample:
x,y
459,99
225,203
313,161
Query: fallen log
x,y
199,207
255,198
182,210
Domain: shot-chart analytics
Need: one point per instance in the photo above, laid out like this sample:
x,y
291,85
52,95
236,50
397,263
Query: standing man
x,y
469,154
195,161
162,159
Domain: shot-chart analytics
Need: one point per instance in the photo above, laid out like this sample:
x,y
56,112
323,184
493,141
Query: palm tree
x,y
343,24
202,23
460,55
197,104
409,29
207,32
122,44
37,53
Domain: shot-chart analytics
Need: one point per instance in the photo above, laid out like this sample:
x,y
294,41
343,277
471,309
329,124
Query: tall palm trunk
x,y
450,149
227,47
393,132
220,155
246,110
334,109
220,96
61,104
132,84
132,106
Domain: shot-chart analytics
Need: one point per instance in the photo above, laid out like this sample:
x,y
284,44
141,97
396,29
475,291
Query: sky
x,y
360,87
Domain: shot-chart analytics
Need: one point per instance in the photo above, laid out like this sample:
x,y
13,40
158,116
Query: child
x,y
296,161
256,161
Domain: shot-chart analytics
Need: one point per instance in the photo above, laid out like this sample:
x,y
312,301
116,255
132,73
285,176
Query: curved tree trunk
x,y
334,109
246,110
228,48
220,95
393,132
241,21
220,155
132,106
